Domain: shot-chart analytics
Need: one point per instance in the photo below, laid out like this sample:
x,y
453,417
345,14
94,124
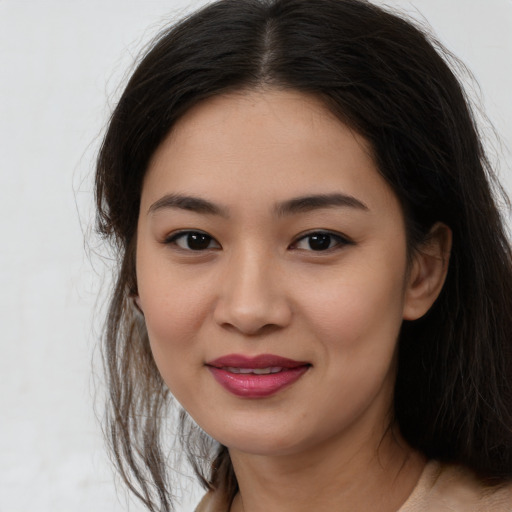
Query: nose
x,y
252,298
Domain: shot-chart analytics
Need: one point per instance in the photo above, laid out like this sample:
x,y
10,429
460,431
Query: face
x,y
272,273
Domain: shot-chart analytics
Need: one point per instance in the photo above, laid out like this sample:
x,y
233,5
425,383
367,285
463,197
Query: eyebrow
x,y
190,203
318,201
296,205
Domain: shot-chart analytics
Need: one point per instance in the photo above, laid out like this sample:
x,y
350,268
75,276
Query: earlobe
x,y
428,272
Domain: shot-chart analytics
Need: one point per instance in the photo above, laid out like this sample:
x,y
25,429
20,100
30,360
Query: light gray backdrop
x,y
60,66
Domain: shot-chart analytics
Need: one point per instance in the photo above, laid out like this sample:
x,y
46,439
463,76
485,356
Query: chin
x,y
267,447
270,440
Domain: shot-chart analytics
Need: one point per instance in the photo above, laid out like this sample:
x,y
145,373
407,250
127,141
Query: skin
x,y
323,443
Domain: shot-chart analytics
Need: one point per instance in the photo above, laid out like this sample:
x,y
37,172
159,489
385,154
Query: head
x,y
383,82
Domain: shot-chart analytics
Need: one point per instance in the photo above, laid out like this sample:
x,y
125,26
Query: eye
x,y
193,241
320,241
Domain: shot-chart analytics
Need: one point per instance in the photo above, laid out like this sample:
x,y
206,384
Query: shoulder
x,y
451,488
441,488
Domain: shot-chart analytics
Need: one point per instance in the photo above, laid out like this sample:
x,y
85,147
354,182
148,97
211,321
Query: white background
x,y
61,63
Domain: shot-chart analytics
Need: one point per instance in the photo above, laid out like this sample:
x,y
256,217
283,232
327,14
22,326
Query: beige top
x,y
441,488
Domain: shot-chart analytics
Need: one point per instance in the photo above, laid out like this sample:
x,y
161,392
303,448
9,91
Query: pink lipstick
x,y
256,377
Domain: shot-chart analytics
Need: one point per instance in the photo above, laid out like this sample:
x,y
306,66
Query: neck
x,y
343,475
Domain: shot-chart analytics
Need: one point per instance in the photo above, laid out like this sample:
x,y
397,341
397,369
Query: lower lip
x,y
250,385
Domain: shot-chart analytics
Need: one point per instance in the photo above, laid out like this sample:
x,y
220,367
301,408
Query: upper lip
x,y
260,361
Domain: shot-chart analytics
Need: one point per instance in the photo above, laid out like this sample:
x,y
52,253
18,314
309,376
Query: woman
x,y
311,262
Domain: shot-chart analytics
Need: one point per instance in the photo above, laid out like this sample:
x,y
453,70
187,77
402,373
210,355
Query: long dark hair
x,y
390,82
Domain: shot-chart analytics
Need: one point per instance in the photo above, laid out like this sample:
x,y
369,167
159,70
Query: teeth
x,y
261,371
256,371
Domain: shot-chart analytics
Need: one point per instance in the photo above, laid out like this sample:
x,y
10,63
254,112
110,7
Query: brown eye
x,y
193,241
320,241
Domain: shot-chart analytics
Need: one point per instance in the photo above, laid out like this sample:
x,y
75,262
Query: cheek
x,y
356,308
173,318
356,320
171,315
171,300
356,324
174,308
173,321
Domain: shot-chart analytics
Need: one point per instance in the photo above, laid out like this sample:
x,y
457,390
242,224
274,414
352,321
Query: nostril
x,y
251,331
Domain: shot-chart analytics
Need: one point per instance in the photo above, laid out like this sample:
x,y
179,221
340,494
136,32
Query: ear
x,y
427,272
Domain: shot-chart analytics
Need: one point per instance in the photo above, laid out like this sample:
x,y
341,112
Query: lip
x,y
285,372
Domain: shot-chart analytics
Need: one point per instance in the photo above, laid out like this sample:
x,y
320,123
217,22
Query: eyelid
x,y
171,239
342,240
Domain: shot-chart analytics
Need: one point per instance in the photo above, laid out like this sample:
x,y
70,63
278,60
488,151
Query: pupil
x,y
198,241
319,242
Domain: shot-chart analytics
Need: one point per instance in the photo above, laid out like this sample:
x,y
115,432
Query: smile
x,y
256,377
257,371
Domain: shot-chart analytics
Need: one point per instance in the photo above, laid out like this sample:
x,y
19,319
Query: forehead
x,y
265,108
263,146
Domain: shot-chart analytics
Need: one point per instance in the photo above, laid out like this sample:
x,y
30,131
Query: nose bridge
x,y
251,295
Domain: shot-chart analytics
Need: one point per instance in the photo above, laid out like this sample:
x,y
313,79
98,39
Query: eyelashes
x,y
196,241
314,241
320,241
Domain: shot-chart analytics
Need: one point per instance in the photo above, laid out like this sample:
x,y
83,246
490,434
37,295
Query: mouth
x,y
255,371
256,377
